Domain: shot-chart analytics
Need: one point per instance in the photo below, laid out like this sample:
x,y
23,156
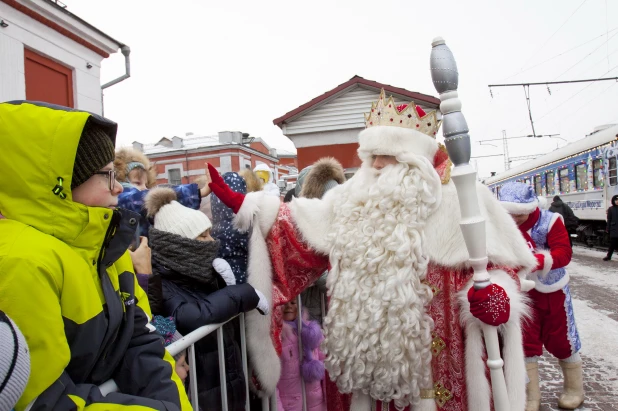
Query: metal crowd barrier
x,y
188,341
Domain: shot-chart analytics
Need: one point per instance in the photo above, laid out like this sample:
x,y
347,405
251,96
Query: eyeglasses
x,y
111,175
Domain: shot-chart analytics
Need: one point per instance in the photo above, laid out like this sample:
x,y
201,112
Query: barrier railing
x,y
188,341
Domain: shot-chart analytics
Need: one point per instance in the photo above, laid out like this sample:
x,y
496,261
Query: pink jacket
x,y
289,391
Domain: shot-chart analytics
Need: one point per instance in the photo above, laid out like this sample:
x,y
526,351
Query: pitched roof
x,y
413,95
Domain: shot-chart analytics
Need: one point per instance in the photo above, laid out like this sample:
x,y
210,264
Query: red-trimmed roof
x,y
418,97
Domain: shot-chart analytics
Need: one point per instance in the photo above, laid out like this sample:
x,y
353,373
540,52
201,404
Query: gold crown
x,y
386,113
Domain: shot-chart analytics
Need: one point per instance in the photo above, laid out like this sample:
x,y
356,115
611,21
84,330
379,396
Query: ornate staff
x,y
455,129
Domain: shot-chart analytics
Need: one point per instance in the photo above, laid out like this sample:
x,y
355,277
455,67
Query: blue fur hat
x,y
518,198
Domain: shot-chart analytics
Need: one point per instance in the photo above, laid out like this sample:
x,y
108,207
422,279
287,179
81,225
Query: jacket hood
x,y
614,199
39,144
557,203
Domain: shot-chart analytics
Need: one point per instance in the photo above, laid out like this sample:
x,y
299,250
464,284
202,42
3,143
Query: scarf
x,y
190,258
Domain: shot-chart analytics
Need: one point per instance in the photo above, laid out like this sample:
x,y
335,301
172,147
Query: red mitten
x,y
540,262
227,196
491,305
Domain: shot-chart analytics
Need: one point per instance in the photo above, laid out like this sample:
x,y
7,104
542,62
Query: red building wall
x,y
344,153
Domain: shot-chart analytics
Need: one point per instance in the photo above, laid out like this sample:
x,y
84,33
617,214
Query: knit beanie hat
x,y
172,217
94,151
14,363
518,198
300,180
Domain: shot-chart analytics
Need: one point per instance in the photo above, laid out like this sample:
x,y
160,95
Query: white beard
x,y
377,333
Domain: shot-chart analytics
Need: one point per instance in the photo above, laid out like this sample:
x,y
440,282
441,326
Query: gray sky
x,y
206,66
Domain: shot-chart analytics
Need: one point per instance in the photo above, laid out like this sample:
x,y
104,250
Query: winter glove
x,y
491,305
225,271
263,305
227,196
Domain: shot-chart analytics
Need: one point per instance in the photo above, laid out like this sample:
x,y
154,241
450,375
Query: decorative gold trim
x,y
442,394
437,345
428,394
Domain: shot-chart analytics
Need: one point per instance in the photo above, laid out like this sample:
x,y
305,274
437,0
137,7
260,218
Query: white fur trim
x,y
544,288
313,217
360,402
427,405
520,208
445,244
547,263
395,141
526,285
260,204
512,350
263,358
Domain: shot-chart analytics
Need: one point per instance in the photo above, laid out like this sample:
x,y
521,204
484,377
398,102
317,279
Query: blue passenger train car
x,y
582,173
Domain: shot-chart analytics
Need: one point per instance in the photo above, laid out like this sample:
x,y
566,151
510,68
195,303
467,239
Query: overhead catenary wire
x,y
585,57
552,36
563,53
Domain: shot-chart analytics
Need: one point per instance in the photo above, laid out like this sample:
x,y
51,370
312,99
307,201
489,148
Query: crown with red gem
x,y
385,113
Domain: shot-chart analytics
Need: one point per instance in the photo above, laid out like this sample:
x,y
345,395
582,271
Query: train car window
x,y
527,181
581,174
597,176
564,180
538,187
549,183
612,171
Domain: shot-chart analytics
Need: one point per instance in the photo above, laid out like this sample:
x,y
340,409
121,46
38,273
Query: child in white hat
x,y
198,289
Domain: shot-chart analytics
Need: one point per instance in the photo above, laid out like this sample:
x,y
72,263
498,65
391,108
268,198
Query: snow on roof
x,y
597,138
188,143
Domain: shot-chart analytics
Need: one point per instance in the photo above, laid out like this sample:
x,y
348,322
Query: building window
x,y
550,183
538,187
564,180
173,176
597,175
612,171
581,174
47,80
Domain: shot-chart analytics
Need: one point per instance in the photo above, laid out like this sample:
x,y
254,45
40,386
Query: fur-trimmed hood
x,y
127,155
325,170
253,182
395,141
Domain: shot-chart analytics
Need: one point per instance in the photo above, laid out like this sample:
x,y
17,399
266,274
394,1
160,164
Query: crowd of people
x,y
101,269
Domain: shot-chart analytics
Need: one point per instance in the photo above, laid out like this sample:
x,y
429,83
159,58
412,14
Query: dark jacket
x,y
194,305
234,244
570,220
612,219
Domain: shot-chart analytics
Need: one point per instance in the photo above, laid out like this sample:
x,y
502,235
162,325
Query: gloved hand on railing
x,y
225,271
491,305
227,196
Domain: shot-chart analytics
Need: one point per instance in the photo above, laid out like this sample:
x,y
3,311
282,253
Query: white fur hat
x,y
395,141
172,217
14,363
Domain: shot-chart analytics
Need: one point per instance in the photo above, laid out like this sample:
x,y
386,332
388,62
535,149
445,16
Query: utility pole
x,y
505,150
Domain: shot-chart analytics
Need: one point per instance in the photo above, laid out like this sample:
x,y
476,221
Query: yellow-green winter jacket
x,y
66,278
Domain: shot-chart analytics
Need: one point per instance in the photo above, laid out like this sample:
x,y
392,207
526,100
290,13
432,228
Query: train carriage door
x,y
611,171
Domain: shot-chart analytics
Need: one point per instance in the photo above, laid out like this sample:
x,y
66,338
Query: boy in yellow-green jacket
x,y
66,277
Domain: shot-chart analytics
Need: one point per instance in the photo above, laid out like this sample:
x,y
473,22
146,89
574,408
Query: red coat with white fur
x,y
556,253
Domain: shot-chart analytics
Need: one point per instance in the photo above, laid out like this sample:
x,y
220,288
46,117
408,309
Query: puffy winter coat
x,y
193,305
570,220
66,278
612,219
289,388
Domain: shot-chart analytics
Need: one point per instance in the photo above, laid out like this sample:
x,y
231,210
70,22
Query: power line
x,y
544,83
563,53
585,57
555,32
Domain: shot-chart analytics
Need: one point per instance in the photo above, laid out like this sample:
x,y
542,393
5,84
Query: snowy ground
x,y
594,285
